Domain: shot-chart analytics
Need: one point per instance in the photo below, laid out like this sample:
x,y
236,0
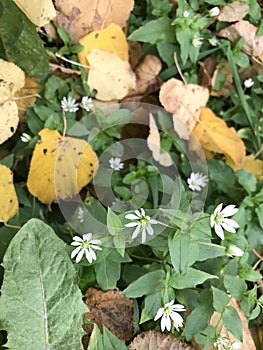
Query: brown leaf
x,y
146,76
233,12
84,16
185,102
135,51
208,72
111,309
253,44
152,340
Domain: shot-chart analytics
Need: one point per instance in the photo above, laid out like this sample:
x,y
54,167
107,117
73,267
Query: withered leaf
x,y
233,12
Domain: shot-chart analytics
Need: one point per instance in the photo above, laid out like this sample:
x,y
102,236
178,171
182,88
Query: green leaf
x,y
152,303
105,340
8,161
152,281
108,273
259,211
235,285
190,279
153,31
247,180
40,295
121,116
21,42
232,322
220,299
114,223
208,250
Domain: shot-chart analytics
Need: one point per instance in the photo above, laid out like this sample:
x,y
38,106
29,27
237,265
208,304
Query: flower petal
x,y
132,224
219,231
136,231
132,217
159,313
229,210
218,208
77,238
79,256
75,252
228,228
87,237
231,222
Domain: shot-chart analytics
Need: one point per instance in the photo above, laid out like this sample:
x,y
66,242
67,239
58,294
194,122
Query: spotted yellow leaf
x,y
8,198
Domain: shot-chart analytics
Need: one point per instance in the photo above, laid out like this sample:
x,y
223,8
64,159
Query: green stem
x,y
144,258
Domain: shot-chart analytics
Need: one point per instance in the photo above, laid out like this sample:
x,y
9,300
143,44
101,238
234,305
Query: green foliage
x,y
105,340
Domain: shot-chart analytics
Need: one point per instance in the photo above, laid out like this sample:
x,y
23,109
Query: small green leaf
x,y
151,304
220,299
190,279
152,281
259,211
247,180
235,285
232,322
105,340
108,273
114,223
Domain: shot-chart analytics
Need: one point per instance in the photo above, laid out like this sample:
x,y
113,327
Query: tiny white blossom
x,y
115,163
213,41
197,41
236,345
248,83
168,313
87,103
214,11
80,215
186,14
141,222
221,342
25,137
233,250
196,181
69,104
85,246
219,220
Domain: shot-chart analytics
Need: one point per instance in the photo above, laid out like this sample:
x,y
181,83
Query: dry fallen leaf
x,y
60,167
152,340
247,343
146,76
253,44
111,309
8,198
135,52
81,17
154,143
185,102
39,12
111,76
233,12
111,39
12,79
254,166
214,135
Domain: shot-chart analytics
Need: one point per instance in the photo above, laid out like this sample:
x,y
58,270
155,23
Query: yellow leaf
x,y
39,12
111,76
111,39
60,167
184,102
214,135
8,198
12,79
254,166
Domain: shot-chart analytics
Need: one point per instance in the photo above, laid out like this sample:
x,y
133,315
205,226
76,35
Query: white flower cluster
x,y
70,105
223,343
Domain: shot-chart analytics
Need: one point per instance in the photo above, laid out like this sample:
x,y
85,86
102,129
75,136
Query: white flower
x,y
69,104
197,41
214,11
85,245
142,223
213,41
168,313
219,220
80,215
233,250
186,14
115,163
25,137
236,345
87,103
221,342
248,83
196,181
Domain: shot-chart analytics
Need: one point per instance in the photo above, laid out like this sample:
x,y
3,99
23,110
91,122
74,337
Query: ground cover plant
x,y
131,197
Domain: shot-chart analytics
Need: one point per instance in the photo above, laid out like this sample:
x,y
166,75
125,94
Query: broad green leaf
x,y
108,273
190,279
247,180
232,322
121,116
259,211
235,285
41,305
208,250
151,304
220,299
114,223
105,340
152,281
20,41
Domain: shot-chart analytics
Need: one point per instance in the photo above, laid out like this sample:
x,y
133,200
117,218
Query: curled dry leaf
x,y
60,167
253,44
152,340
8,198
12,79
146,76
185,102
254,166
214,135
111,76
39,12
233,12
111,309
111,39
84,16
154,143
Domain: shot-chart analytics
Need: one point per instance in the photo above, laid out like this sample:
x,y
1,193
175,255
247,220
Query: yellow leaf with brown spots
x,y
8,198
